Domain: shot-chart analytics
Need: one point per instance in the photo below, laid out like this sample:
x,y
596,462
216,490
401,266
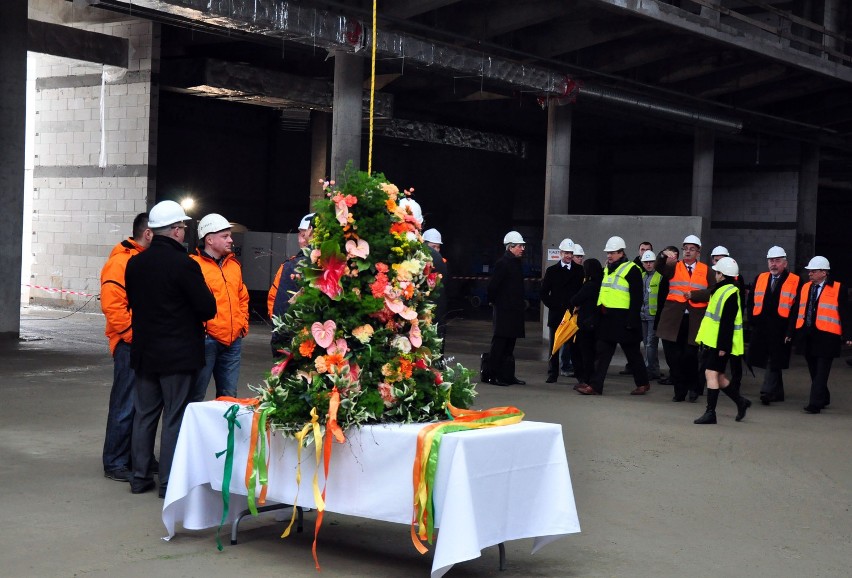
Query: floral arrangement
x,y
361,324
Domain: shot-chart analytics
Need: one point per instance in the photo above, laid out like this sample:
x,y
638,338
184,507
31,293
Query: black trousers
x,y
682,359
819,368
583,355
604,351
501,349
773,384
156,393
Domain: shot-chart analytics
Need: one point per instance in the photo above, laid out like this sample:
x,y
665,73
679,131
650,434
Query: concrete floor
x,y
657,495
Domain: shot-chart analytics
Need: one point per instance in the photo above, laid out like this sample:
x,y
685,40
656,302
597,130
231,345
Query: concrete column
x,y
346,115
558,159
710,13
319,153
806,205
702,175
13,106
831,22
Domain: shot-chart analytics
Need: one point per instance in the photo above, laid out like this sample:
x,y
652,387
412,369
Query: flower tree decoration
x,y
361,323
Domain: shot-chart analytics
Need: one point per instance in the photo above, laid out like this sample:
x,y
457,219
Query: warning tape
x,y
485,278
55,290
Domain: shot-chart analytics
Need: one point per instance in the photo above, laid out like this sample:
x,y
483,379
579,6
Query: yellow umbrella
x,y
565,332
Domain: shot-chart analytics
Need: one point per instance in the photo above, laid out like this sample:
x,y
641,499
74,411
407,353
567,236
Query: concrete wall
x,y
83,203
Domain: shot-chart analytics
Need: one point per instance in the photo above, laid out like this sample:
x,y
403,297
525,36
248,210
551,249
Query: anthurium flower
x,y
338,346
414,336
279,367
357,249
332,266
324,333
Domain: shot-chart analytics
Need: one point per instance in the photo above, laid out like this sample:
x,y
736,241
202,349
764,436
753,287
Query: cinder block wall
x,y
752,212
80,210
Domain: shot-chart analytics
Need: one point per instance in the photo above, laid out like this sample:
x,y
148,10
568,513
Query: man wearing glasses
x,y
169,303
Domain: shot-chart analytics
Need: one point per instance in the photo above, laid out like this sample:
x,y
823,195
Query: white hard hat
x,y
818,263
692,239
305,223
165,213
720,250
727,266
212,223
775,252
433,236
414,207
578,250
513,237
566,245
649,256
615,244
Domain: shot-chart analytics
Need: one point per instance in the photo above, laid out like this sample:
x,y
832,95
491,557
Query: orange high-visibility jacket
x,y
681,282
827,311
225,281
785,299
273,291
113,296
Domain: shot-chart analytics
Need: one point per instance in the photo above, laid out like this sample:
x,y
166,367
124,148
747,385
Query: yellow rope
x,y
372,92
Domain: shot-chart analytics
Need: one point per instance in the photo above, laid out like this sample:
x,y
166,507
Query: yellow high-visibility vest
x,y
708,333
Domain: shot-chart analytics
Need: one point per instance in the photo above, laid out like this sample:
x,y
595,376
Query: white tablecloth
x,y
492,485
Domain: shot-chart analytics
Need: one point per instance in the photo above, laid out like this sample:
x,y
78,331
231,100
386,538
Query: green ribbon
x,y
231,416
259,471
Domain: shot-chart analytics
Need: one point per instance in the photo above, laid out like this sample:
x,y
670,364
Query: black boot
x,y
743,404
710,414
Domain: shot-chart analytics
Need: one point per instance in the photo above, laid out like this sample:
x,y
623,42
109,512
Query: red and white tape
x,y
55,290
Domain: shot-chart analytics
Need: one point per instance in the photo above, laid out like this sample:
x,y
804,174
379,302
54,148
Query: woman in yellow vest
x,y
721,333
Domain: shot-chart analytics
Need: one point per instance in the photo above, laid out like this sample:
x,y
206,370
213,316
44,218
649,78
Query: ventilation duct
x,y
451,136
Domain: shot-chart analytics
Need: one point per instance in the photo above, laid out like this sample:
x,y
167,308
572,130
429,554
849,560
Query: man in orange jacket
x,y
116,454
224,277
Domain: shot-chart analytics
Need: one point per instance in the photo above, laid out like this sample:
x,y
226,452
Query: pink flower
x,y
329,281
279,367
414,336
324,333
338,346
386,391
357,249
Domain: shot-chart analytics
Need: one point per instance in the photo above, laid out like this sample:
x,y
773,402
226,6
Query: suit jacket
x,y
814,342
557,288
672,311
766,346
506,294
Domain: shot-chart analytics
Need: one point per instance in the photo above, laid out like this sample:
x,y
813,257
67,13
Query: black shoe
x,y
693,397
550,379
141,486
742,409
765,398
678,398
162,490
665,381
495,381
708,417
119,475
516,381
810,409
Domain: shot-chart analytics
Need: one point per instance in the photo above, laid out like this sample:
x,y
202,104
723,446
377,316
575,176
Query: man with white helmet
x,y
690,283
770,306
225,332
560,283
506,295
822,327
620,302
169,303
721,332
305,230
579,254
432,237
651,284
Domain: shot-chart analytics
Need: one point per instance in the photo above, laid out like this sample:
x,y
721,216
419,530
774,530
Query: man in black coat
x,y
770,307
822,327
621,297
506,295
169,303
561,282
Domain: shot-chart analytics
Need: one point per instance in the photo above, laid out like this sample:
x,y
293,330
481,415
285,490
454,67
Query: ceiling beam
x,y
566,36
412,8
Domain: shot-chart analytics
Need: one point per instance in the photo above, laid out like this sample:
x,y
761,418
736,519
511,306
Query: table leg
x,y
272,507
502,548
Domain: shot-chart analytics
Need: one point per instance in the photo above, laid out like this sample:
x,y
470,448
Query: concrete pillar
x,y
346,115
806,205
831,21
702,175
711,14
319,153
13,105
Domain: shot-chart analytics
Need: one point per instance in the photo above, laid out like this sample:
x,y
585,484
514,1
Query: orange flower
x,y
307,348
405,367
401,228
335,362
391,205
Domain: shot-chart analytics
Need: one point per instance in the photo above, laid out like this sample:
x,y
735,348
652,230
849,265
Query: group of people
x,y
173,320
697,310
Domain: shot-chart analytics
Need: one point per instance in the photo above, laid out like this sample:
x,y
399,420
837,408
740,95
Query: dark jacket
x,y
586,304
439,295
668,323
725,339
557,288
169,302
506,295
287,285
766,346
624,325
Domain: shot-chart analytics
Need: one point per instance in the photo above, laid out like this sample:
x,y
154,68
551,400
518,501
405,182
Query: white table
x,y
492,485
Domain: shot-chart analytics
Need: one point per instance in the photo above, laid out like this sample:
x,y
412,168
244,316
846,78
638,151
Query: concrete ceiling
x,y
769,68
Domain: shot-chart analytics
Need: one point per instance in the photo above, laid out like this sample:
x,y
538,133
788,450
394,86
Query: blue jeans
x,y
222,362
120,417
652,360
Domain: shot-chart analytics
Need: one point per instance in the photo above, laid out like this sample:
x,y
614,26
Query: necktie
x,y
812,303
689,268
774,282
